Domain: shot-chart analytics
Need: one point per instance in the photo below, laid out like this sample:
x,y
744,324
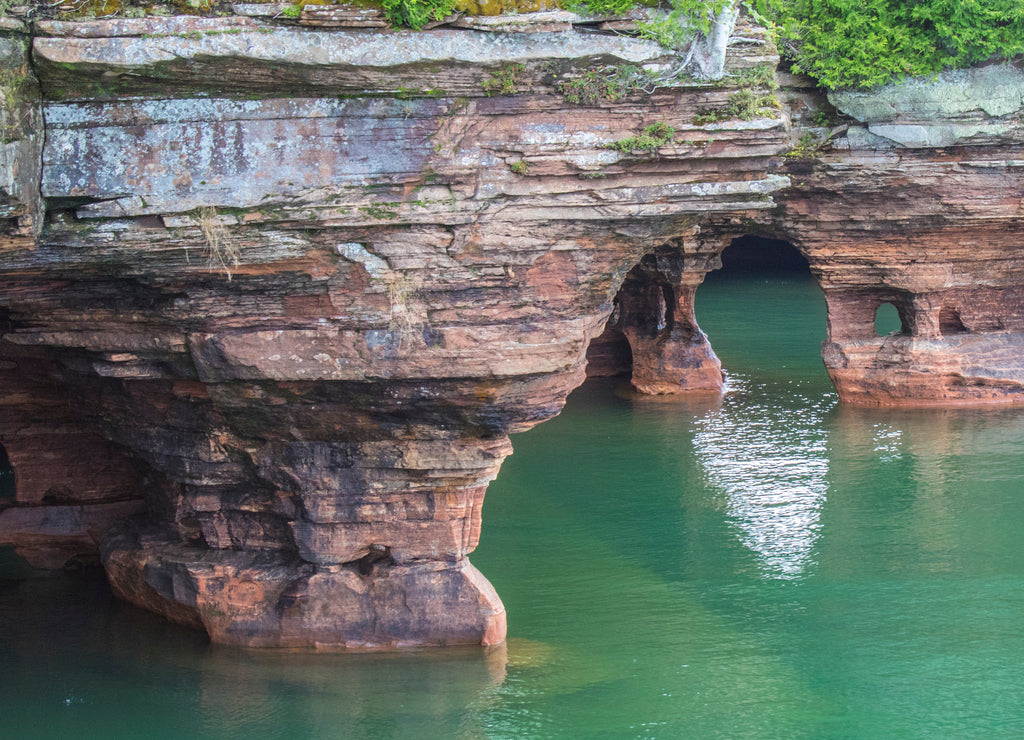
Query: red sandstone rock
x,y
304,326
264,600
916,203
655,312
48,536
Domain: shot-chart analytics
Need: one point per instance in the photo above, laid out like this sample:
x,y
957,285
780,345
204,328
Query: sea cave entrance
x,y
653,334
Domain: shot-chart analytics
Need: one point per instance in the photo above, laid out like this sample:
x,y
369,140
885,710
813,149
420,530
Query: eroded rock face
x,y
288,292
655,312
916,202
308,283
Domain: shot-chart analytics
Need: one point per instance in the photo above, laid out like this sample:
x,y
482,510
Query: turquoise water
x,y
767,565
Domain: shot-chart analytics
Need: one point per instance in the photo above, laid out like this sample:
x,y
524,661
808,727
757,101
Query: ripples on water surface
x,y
766,565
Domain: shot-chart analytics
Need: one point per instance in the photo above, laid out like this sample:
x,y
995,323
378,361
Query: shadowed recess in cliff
x,y
652,332
758,254
7,489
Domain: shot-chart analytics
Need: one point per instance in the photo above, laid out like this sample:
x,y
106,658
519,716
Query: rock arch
x,y
653,333
654,311
887,315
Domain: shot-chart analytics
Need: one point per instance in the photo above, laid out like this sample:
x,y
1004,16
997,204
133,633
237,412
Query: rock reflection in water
x,y
78,654
769,462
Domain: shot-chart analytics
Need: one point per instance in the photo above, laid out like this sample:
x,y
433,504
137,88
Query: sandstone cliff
x,y
915,201
286,292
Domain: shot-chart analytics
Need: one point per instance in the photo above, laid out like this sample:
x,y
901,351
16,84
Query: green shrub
x,y
858,43
863,43
600,7
415,14
686,18
822,118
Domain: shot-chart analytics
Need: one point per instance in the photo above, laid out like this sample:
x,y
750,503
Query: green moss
x,y
382,212
807,148
520,167
16,88
605,83
504,81
653,138
761,76
415,14
406,93
600,7
744,105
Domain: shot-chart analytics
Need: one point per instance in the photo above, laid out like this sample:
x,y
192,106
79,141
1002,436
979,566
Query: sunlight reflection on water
x,y
770,464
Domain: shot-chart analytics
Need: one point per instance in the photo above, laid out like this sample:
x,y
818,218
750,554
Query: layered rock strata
x,y
305,284
287,292
914,200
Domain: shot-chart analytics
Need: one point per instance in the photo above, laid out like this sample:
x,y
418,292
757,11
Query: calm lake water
x,y
767,565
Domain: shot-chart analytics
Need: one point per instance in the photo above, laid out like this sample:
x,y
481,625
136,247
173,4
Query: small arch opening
x,y
950,321
888,320
7,487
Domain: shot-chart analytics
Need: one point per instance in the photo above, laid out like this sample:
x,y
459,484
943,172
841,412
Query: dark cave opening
x,y
950,321
7,488
758,254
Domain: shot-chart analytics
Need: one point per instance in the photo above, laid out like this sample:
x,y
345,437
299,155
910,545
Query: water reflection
x,y
923,473
767,456
77,654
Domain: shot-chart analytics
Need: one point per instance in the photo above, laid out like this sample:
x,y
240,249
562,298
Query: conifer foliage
x,y
863,43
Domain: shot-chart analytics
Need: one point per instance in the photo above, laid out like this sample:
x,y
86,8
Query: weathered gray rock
x,y
997,90
977,106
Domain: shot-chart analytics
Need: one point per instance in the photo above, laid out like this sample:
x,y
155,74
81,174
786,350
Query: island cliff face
x,y
283,294
916,202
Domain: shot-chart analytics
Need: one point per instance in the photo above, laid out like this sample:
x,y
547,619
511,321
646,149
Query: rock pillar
x,y
655,311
